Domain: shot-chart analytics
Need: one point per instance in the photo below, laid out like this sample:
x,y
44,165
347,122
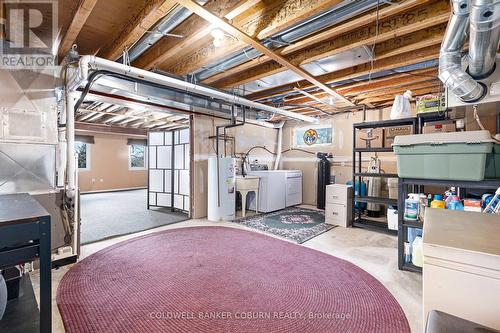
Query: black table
x,y
24,237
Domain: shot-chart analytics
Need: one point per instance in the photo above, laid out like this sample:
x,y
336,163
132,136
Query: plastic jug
x,y
417,257
455,203
438,202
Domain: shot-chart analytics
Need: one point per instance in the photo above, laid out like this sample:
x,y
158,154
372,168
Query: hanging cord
x,y
375,42
478,120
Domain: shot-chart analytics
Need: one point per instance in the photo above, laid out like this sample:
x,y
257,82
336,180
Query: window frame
x,y
130,167
87,156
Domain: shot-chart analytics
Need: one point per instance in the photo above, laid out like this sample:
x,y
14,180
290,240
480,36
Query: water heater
x,y
221,188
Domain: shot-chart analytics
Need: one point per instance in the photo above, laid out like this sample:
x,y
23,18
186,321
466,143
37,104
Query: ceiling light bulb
x,y
217,33
217,42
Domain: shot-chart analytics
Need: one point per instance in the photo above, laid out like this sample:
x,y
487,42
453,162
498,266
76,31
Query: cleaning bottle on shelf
x,y
438,202
429,200
411,207
455,203
449,196
417,257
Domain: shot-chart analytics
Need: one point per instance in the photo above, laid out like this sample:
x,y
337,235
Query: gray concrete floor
x,y
374,252
111,214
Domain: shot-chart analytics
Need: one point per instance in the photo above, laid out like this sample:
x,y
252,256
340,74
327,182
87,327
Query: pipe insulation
x,y
88,63
484,37
450,58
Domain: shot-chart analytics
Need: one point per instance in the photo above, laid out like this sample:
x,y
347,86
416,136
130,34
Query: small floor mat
x,y
294,223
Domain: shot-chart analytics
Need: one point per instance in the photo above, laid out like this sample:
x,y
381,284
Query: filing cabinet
x,y
338,206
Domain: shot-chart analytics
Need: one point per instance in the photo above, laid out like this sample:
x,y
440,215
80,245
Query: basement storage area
x,y
250,166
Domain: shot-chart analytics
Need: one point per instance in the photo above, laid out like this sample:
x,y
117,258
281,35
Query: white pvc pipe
x,y
280,145
71,97
92,62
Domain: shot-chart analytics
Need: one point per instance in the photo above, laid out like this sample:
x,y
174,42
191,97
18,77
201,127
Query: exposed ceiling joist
x,y
137,26
262,20
168,50
390,63
345,37
79,18
221,23
86,127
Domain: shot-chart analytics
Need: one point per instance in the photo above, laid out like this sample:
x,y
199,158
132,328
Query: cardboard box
x,y
370,138
440,127
391,132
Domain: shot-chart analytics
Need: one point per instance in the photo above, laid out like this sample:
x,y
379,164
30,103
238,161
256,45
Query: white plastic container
x,y
417,257
392,219
392,184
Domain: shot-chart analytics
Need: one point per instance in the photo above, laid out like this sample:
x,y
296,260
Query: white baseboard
x,y
115,190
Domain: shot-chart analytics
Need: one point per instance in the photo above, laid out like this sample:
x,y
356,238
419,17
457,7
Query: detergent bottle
x,y
455,203
438,202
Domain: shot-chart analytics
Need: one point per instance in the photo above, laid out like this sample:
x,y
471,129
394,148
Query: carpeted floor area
x,y
296,224
231,281
111,214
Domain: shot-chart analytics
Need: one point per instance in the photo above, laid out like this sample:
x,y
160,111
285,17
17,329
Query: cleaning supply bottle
x,y
449,195
417,257
411,207
429,200
438,202
455,203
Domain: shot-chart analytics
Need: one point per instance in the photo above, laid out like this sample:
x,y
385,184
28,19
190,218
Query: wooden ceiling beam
x,y
398,90
394,80
417,92
389,63
86,127
261,21
395,32
221,23
138,25
79,18
169,49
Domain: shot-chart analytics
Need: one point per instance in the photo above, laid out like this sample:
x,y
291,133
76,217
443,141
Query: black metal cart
x,y
417,185
25,228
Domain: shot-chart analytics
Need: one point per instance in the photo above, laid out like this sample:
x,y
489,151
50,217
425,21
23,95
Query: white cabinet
x,y
462,265
338,207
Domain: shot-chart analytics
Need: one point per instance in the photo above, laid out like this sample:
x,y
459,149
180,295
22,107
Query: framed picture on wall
x,y
315,135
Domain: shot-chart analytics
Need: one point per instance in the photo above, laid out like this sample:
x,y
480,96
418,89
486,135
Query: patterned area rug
x,y
222,280
295,224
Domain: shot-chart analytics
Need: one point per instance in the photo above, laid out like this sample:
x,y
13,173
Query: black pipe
x,y
498,123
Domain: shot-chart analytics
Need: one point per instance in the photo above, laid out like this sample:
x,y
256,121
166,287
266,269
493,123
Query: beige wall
x,y
250,135
109,165
246,136
341,148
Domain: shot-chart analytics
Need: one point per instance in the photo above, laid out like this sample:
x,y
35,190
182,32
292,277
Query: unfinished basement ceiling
x,y
367,51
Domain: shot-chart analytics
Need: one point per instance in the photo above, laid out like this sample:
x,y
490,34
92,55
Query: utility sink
x,y
247,183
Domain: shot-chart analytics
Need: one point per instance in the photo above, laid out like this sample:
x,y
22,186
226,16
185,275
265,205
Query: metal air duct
x,y
484,37
483,24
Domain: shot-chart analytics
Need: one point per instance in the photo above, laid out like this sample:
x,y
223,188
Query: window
x,y
83,151
137,157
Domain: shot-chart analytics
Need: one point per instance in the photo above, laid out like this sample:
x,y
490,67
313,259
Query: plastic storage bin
x,y
493,163
456,155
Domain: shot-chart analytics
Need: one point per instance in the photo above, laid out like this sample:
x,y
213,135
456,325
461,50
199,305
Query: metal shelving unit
x,y
359,220
417,185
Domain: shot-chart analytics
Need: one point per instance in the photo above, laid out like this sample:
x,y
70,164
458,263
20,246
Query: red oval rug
x,y
217,279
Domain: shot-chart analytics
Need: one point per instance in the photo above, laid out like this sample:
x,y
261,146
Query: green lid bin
x,y
493,163
454,156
